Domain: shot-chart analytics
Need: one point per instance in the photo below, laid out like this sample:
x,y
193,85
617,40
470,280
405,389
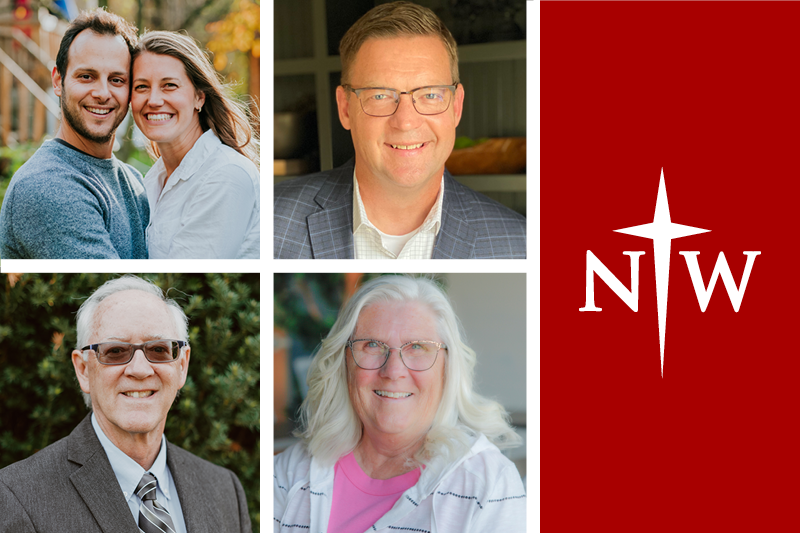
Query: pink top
x,y
358,500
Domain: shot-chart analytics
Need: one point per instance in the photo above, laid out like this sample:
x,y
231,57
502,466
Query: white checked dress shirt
x,y
372,243
129,473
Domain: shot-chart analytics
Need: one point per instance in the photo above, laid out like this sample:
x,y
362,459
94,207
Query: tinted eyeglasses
x,y
121,353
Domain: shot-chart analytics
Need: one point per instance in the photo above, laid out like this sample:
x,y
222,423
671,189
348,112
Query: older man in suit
x,y
116,471
401,100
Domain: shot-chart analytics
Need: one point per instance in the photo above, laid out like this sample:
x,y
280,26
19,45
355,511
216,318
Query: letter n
x,y
720,269
593,265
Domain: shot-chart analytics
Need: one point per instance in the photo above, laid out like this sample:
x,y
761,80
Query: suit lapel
x,y
456,239
331,229
194,495
96,482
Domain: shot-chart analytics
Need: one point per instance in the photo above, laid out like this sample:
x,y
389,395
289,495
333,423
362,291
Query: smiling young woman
x,y
203,189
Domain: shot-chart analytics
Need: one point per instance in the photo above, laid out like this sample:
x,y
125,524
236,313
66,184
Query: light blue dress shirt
x,y
129,473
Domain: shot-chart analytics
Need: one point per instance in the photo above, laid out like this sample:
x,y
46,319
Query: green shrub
x,y
10,161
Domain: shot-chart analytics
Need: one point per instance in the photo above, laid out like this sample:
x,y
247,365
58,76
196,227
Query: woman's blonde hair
x,y
221,112
329,424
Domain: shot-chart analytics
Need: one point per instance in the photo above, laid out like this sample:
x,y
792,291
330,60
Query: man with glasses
x,y
116,469
401,100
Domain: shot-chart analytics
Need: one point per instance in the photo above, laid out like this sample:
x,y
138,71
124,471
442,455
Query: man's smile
x,y
98,110
139,394
406,146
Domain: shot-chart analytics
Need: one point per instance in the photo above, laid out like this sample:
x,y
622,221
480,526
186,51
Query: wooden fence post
x,y
5,104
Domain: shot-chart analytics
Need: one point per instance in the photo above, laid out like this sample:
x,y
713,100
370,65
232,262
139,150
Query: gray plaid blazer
x,y
70,486
314,220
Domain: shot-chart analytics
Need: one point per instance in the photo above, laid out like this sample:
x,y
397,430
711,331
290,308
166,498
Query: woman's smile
x,y
389,394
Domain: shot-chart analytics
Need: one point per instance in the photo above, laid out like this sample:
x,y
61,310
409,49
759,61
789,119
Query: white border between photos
x,y
101,266
533,72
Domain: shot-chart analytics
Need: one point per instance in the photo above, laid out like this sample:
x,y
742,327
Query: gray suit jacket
x,y
70,486
314,220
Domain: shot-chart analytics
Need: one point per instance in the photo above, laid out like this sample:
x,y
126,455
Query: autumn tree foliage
x,y
239,31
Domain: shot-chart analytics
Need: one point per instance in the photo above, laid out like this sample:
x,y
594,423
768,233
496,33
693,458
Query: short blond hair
x,y
396,19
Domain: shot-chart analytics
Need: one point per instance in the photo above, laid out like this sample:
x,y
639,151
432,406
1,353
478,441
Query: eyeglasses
x,y
121,353
370,354
384,101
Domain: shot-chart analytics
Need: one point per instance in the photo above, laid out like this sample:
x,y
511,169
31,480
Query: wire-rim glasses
x,y
372,354
121,353
384,101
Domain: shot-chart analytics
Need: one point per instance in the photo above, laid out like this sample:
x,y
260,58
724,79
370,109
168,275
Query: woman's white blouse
x,y
209,207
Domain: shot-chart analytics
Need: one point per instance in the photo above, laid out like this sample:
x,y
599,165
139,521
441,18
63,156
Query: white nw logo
x,y
662,230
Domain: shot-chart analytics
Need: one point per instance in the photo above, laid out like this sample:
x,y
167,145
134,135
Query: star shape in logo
x,y
662,230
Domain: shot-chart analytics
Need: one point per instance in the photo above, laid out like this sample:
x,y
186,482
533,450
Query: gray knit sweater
x,y
65,204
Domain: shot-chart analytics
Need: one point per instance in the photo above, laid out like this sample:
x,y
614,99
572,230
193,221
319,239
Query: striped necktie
x,y
153,517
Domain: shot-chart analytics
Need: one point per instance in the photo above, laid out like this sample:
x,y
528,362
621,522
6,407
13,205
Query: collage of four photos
x,y
141,221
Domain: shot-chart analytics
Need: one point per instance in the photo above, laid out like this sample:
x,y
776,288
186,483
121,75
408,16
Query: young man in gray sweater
x,y
73,199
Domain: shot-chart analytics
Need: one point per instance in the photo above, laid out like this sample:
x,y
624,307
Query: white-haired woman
x,y
394,438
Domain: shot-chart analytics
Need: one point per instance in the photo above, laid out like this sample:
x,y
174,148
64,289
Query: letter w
x,y
593,265
720,269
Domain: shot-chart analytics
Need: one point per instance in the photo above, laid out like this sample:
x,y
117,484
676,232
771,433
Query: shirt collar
x,y
193,161
432,222
128,471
